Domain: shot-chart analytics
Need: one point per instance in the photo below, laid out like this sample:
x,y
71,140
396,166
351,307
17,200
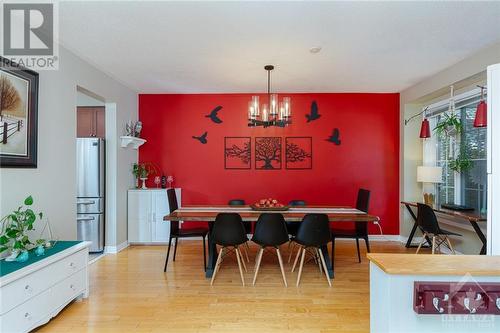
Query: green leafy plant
x,y
449,125
15,227
462,162
143,170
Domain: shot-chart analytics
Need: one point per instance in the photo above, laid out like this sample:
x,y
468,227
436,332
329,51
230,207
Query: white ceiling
x,y
201,47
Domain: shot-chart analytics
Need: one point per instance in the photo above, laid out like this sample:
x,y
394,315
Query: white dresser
x,y
32,295
146,209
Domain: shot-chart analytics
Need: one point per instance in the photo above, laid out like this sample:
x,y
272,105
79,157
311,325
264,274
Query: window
x,y
468,187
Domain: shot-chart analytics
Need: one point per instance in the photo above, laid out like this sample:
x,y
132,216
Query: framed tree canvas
x,y
18,116
237,153
267,153
298,153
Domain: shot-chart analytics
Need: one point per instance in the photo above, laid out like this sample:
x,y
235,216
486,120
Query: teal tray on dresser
x,y
7,267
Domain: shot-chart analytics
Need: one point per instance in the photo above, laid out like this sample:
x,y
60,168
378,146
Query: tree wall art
x,y
237,153
268,153
298,153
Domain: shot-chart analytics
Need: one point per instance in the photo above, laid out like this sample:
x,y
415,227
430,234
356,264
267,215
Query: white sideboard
x,y
32,295
146,209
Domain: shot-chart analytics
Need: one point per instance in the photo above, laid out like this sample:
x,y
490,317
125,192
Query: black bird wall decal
x,y
213,115
314,112
202,138
335,137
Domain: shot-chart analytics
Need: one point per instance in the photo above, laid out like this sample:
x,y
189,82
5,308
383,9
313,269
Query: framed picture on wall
x,y
18,116
267,153
298,153
237,152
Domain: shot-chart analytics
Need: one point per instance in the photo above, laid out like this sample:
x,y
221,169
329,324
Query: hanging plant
x,y
462,162
450,125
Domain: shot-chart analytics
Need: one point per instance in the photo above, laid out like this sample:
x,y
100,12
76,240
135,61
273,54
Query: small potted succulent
x,y
14,231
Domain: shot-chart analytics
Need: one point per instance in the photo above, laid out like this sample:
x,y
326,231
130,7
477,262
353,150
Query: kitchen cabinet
x,y
90,122
146,209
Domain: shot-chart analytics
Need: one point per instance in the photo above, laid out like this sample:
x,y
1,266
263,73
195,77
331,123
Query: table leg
x,y
212,253
413,229
479,232
329,267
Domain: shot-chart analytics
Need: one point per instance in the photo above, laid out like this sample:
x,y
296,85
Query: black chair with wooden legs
x,y
228,231
270,231
246,224
360,230
314,233
428,223
176,232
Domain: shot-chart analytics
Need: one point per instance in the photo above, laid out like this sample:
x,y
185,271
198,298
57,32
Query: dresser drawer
x,y
68,289
28,315
19,291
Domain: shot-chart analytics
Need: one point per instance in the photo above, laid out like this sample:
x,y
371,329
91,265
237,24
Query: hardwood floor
x,y
130,293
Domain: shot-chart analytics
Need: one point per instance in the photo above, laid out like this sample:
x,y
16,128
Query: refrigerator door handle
x,y
90,202
85,218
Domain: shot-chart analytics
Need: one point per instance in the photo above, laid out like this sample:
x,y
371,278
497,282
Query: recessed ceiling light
x,y
315,49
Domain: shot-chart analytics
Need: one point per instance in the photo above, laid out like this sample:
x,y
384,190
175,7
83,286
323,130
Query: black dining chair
x,y
228,232
293,227
270,231
246,224
360,230
314,233
428,223
176,232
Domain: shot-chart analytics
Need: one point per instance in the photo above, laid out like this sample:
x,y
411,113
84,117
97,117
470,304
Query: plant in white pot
x,y
14,231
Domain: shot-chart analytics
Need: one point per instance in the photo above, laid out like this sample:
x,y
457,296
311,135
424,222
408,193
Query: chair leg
x,y
243,261
319,261
449,244
216,269
357,246
238,255
223,253
175,248
421,242
433,244
204,255
290,249
333,251
367,242
257,264
301,265
281,266
324,267
296,258
247,249
168,253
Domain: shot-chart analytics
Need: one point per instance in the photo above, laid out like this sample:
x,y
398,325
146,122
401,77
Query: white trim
x,y
100,256
385,238
116,249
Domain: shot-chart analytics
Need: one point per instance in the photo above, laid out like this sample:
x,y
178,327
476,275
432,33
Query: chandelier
x,y
273,113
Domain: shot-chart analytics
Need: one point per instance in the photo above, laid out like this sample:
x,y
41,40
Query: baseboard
x,y
385,238
116,249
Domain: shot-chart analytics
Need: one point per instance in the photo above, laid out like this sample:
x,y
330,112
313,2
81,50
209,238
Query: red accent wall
x,y
368,156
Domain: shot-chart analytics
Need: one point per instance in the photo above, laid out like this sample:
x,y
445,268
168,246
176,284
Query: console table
x,y
33,292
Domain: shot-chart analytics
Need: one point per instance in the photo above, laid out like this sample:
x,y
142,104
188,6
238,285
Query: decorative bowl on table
x,y
269,204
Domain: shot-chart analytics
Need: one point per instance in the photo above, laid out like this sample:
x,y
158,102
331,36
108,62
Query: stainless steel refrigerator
x,y
90,191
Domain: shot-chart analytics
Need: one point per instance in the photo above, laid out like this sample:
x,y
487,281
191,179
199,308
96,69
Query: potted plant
x,y
15,226
451,126
142,171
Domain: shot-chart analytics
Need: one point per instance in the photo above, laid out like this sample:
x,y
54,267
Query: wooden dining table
x,y
208,213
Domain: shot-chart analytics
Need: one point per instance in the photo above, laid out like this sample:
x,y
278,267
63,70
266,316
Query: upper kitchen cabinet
x,y
90,122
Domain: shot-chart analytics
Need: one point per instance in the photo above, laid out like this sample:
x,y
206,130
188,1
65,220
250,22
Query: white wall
x,y
53,183
83,99
463,75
